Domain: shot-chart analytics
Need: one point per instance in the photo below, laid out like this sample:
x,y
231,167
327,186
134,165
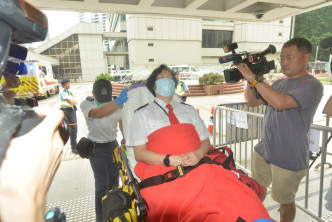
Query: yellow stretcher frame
x,y
127,178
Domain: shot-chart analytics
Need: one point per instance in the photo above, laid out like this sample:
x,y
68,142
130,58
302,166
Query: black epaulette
x,y
186,104
90,98
141,107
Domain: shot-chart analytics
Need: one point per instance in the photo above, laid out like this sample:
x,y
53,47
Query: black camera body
x,y
20,22
257,63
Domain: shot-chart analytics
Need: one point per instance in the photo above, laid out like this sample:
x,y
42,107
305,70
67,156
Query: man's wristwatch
x,y
166,161
258,79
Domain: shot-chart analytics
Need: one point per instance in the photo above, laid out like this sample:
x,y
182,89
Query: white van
x,y
186,72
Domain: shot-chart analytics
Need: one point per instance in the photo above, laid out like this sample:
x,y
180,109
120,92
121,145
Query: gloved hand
x,y
122,98
123,141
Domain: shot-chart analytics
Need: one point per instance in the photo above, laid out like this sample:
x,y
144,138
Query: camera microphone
x,y
230,47
326,43
225,59
271,49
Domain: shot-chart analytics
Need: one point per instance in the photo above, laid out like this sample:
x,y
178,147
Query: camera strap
x,y
259,96
10,119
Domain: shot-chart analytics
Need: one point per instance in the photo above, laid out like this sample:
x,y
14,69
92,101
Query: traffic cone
x,y
210,126
197,111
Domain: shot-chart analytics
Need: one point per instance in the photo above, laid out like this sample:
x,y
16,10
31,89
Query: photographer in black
x,y
28,168
31,140
280,157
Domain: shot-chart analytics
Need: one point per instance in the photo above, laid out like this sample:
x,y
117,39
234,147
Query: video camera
x,y
20,22
257,63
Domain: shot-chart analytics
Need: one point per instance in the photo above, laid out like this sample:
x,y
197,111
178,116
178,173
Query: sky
x,y
60,21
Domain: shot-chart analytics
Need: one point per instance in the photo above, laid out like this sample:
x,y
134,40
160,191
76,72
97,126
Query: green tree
x,y
315,26
105,76
211,79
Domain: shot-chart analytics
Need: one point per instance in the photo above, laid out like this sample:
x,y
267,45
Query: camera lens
x,y
64,130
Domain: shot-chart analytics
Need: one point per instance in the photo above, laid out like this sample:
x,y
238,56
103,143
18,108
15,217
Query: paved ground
x,y
73,186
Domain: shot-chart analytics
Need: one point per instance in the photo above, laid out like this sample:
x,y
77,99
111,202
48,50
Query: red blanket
x,y
207,193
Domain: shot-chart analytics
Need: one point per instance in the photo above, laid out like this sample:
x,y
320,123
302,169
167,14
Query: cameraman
x,y
28,168
280,157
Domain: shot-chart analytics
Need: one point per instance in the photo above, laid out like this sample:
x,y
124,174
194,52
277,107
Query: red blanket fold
x,y
207,193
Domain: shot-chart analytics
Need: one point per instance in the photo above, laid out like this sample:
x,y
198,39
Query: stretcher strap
x,y
171,175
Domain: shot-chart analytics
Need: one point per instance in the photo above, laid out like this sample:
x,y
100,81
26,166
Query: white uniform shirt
x,y
155,116
100,130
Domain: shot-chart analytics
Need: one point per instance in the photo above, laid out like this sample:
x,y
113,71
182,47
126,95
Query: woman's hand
x,y
175,160
191,158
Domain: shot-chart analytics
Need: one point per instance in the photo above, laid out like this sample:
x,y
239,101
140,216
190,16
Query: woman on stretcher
x,y
165,134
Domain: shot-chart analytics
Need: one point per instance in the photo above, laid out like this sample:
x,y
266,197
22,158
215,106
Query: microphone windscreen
x,y
326,43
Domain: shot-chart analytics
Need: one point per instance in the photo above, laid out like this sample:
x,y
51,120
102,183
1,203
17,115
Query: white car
x,y
186,72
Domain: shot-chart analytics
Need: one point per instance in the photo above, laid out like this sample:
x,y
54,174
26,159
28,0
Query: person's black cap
x,y
102,89
65,80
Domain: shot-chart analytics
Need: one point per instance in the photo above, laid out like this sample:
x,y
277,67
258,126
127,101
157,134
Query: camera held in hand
x,y
31,102
20,119
257,63
20,22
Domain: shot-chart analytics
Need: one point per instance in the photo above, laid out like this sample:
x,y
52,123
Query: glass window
x,y
216,38
70,44
64,45
52,52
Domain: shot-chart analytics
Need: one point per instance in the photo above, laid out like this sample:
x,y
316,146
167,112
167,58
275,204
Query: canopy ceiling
x,y
236,10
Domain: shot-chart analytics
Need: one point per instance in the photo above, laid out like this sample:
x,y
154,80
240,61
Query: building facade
x,y
143,42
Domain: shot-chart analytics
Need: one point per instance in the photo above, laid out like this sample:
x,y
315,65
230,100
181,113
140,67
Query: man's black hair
x,y
102,89
152,78
302,44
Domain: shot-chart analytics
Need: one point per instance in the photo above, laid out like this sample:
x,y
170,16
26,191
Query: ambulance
x,y
38,81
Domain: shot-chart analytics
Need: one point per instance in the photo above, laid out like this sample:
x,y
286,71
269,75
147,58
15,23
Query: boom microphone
x,y
326,43
271,49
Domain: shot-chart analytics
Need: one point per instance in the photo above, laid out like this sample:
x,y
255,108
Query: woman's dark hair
x,y
152,78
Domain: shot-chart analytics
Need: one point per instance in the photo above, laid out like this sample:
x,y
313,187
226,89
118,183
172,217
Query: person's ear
x,y
307,57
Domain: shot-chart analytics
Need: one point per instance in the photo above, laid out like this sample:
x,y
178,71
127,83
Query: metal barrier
x,y
228,120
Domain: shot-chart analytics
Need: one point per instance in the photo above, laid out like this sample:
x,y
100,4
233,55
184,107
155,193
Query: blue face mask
x,y
165,87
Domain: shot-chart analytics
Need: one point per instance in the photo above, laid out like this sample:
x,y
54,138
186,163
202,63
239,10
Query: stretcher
x,y
128,179
179,201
